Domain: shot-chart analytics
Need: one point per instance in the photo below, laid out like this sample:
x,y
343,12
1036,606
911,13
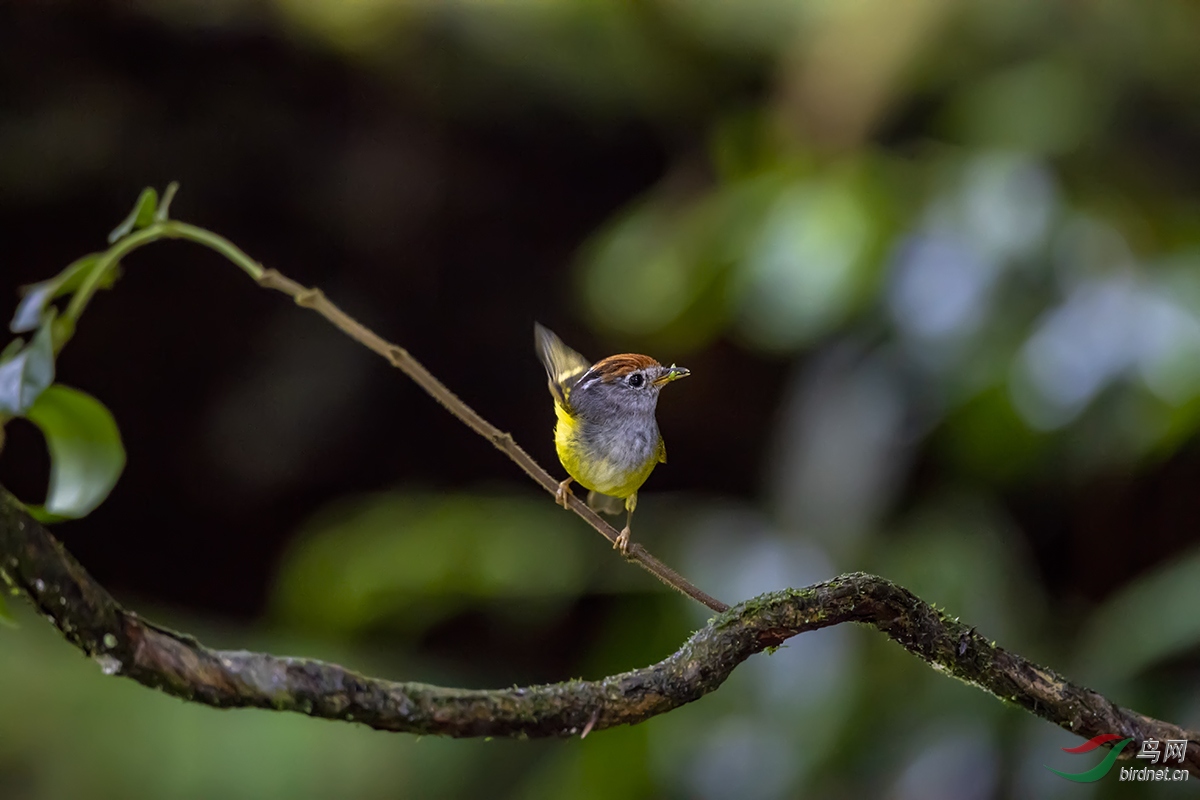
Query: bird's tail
x,y
605,504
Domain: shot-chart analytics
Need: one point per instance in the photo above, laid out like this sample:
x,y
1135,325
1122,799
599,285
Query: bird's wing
x,y
564,367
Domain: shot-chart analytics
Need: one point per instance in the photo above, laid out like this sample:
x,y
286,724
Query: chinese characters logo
x,y
1152,750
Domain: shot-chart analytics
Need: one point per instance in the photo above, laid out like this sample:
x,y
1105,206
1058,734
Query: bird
x,y
606,433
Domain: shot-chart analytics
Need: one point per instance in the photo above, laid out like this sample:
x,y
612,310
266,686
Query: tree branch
x,y
36,564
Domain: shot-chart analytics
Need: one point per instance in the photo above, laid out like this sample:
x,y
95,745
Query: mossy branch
x,y
36,564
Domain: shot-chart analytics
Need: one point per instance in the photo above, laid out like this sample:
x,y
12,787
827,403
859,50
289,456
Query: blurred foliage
x,y
1147,623
408,561
969,229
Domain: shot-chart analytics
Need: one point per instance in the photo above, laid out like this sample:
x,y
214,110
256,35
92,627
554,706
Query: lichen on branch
x,y
33,562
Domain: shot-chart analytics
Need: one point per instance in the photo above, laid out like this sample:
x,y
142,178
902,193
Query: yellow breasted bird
x,y
606,436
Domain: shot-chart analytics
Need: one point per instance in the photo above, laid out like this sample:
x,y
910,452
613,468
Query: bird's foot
x,y
622,542
562,496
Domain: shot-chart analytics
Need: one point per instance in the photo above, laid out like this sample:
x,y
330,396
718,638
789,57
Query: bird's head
x,y
629,382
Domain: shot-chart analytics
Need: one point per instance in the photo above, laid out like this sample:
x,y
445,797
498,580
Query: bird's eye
x,y
636,380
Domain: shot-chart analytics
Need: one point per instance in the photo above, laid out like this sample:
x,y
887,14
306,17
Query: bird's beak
x,y
671,373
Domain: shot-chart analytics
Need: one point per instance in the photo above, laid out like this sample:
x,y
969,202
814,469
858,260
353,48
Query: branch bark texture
x,y
33,562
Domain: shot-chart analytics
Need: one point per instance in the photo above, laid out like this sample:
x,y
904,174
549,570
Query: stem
x,y
167,229
182,230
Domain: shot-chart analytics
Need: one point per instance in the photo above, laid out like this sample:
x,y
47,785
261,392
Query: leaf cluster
x,y
86,453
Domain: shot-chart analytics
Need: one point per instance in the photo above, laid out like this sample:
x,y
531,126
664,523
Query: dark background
x,y
449,174
446,235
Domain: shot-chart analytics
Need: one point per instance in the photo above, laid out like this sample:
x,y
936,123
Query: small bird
x,y
606,436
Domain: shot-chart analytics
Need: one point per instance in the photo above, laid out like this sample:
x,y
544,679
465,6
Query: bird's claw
x,y
562,496
622,541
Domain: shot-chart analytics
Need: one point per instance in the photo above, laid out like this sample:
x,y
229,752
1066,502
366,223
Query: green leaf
x,y
141,215
86,454
32,306
409,560
36,298
27,374
164,207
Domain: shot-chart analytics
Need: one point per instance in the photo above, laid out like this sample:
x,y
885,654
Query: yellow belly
x,y
604,475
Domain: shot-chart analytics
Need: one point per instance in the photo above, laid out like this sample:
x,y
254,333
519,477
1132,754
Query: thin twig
x,y
34,562
400,358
